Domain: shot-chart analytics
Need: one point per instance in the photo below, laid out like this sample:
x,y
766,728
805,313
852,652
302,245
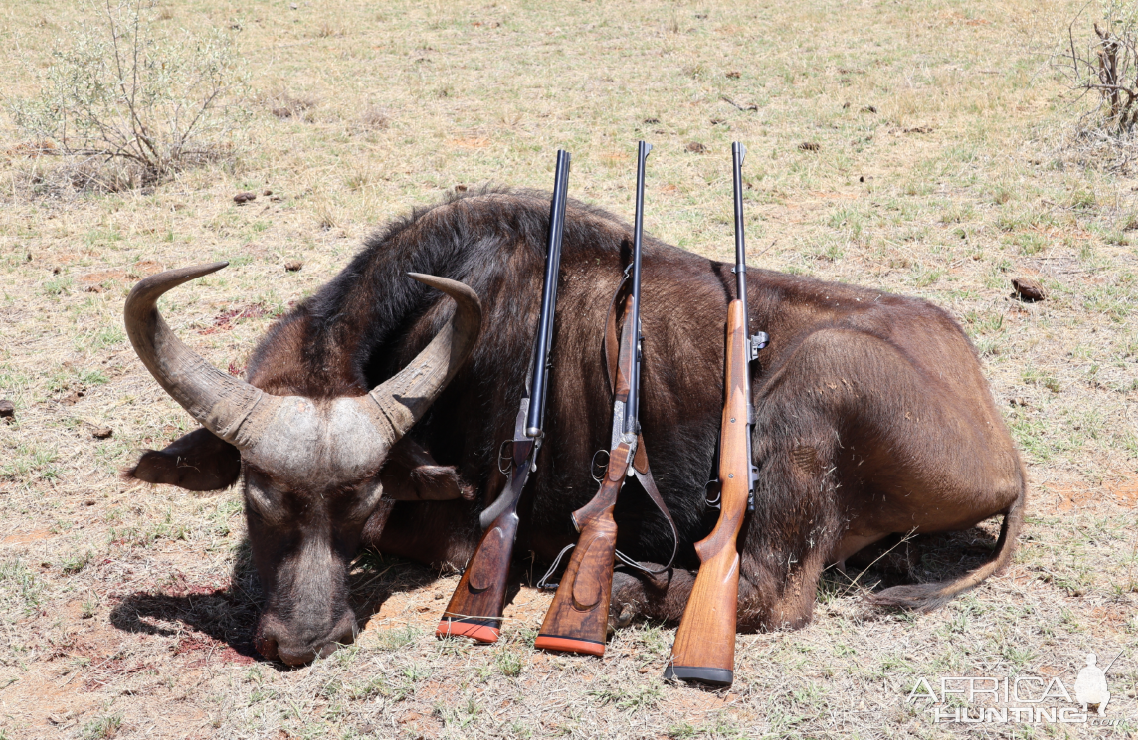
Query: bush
x,y
120,92
1105,65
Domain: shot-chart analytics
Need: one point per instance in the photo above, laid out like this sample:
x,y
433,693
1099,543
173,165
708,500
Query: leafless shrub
x,y
118,91
1105,66
1101,63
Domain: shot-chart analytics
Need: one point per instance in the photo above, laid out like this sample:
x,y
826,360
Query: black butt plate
x,y
711,676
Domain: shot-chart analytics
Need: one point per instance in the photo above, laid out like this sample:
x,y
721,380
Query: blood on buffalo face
x,y
311,466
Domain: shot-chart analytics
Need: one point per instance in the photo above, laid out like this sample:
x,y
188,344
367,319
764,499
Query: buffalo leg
x,y
659,597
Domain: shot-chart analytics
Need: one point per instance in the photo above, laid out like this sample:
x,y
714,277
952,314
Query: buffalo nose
x,y
275,641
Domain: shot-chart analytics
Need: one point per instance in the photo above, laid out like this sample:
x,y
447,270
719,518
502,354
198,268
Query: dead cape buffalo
x,y
872,418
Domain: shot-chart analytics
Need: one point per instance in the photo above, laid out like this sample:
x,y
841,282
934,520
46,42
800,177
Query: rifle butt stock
x,y
475,609
577,620
704,649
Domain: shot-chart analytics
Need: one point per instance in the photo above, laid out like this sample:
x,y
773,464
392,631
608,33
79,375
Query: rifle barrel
x,y
540,371
632,412
738,151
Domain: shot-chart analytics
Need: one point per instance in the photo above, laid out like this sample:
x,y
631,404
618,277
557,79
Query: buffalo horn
x,y
225,405
407,395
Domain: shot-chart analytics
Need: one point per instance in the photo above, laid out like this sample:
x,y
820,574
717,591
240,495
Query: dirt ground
x,y
923,148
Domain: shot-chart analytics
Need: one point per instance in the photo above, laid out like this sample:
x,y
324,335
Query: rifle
x,y
577,620
475,610
704,649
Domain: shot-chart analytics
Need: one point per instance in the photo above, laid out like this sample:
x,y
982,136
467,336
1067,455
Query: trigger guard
x,y
508,458
594,466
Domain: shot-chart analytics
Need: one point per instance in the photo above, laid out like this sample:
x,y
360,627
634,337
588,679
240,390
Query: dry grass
x,y
933,170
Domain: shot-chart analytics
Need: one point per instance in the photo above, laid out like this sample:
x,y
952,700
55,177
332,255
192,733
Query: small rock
x,y
102,433
293,265
1028,289
7,411
292,6
809,146
696,147
245,197
89,502
267,193
29,256
733,75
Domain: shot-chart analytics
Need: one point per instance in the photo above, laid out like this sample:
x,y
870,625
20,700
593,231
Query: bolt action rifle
x,y
704,649
577,620
475,610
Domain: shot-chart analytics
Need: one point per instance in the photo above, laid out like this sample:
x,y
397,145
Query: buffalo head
x,y
311,465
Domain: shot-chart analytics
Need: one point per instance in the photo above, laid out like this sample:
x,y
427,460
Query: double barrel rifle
x,y
475,610
577,620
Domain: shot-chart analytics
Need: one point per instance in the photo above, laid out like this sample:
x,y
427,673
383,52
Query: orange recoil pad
x,y
477,632
569,645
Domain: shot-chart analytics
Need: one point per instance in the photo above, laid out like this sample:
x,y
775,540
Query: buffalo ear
x,y
411,474
199,461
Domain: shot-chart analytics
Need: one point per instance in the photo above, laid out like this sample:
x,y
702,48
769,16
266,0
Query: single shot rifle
x,y
475,610
704,649
577,620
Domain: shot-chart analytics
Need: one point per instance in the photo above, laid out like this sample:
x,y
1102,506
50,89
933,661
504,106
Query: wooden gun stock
x,y
704,649
577,620
475,610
